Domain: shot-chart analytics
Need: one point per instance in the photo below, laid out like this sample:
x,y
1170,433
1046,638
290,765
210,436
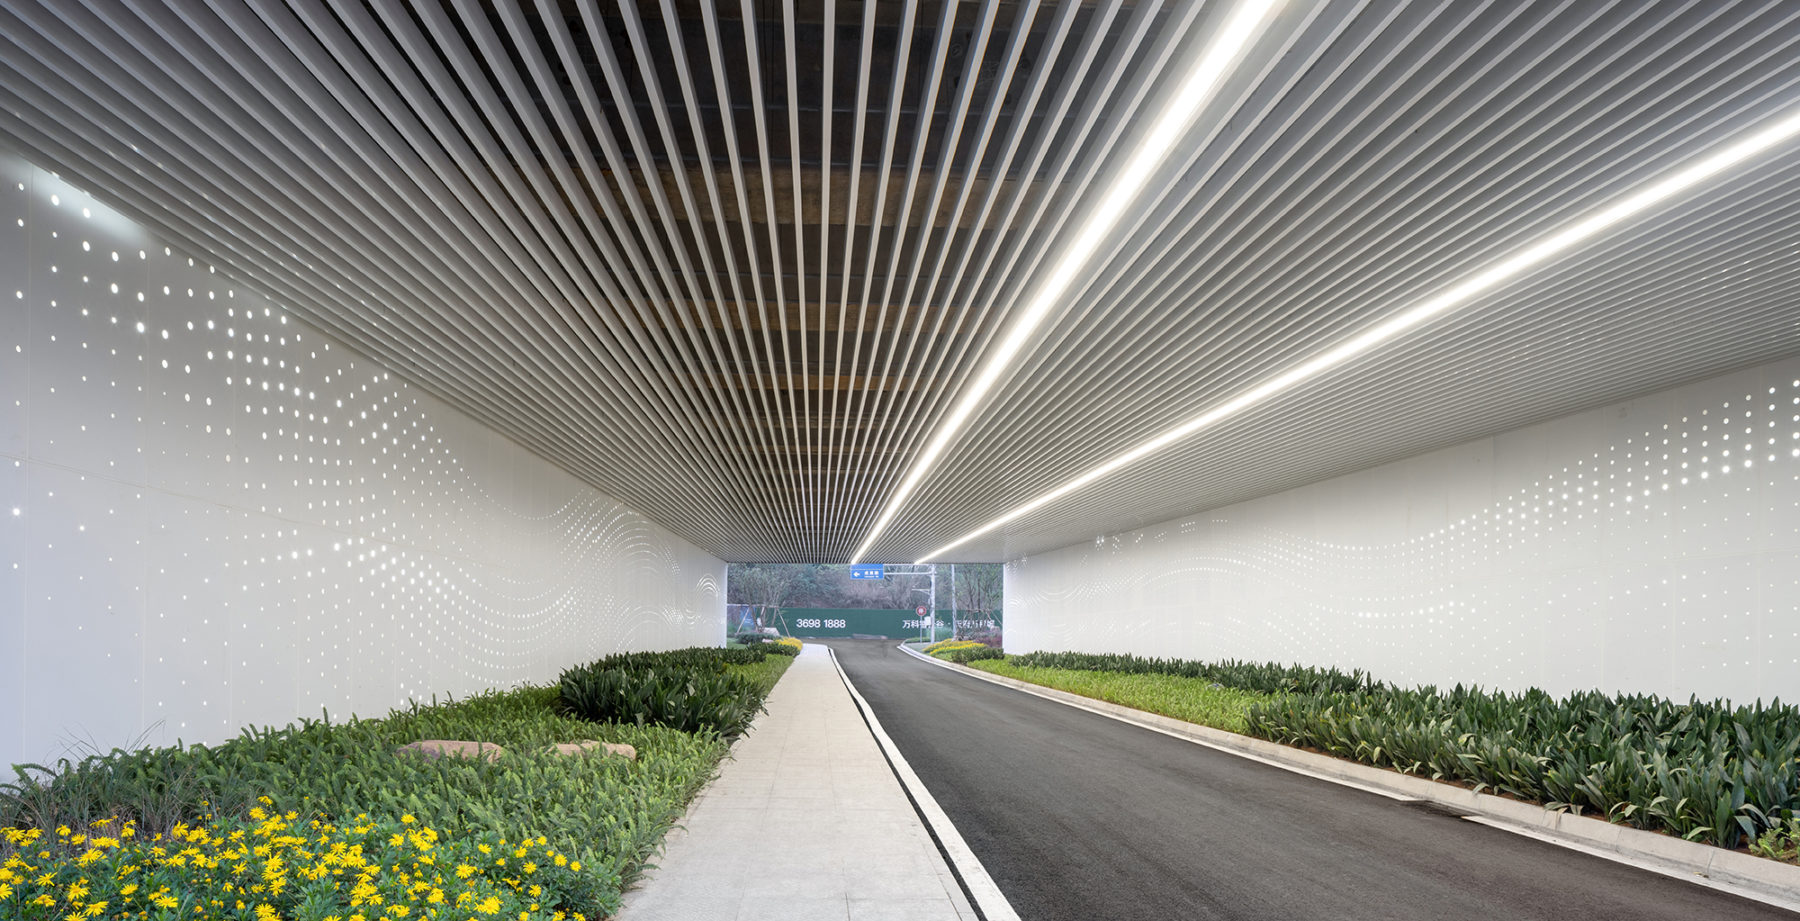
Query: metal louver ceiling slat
x,y
737,263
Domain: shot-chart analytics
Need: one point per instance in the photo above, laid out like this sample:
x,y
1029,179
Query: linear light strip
x,y
1241,26
1162,378
1648,196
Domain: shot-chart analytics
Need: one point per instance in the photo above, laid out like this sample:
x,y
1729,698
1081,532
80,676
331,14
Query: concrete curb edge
x,y
1767,881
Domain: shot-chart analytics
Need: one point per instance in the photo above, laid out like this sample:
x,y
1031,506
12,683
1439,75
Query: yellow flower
x,y
5,891
407,819
489,906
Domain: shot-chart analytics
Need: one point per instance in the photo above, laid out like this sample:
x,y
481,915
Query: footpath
x,y
805,822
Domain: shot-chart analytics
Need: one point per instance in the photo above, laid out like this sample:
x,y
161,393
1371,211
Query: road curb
x,y
989,903
1766,881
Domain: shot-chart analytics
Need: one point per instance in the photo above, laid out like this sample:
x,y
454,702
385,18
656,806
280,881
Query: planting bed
x,y
321,820
1703,770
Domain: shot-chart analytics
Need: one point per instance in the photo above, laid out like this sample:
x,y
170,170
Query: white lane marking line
x,y
1674,872
988,898
1128,720
1526,831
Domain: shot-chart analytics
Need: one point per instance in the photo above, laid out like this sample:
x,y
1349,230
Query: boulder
x,y
434,749
589,746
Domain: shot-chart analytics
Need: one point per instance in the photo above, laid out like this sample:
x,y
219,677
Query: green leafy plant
x,y
692,690
1780,840
1703,770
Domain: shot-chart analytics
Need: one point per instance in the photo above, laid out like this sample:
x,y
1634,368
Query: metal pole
x,y
931,609
953,623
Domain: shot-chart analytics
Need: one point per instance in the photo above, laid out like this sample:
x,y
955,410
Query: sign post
x,y
870,571
922,612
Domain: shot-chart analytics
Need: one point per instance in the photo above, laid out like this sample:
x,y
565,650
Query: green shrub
x,y
1269,678
692,690
698,658
688,700
963,655
1701,770
781,649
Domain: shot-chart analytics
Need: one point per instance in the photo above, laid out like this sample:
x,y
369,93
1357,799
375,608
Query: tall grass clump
x,y
1704,770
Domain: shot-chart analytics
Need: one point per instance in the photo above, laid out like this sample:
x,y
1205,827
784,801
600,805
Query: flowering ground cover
x,y
289,822
270,866
962,652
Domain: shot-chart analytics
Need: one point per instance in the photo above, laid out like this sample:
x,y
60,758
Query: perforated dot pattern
x,y
213,516
1650,546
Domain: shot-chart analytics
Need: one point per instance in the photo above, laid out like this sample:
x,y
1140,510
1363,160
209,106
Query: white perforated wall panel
x,y
213,516
1651,545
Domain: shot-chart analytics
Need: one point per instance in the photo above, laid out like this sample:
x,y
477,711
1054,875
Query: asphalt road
x,y
1085,818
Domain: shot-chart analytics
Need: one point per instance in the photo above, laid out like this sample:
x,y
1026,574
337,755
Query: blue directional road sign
x,y
866,571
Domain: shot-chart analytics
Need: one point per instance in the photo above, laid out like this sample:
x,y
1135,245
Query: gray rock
x,y
589,746
434,749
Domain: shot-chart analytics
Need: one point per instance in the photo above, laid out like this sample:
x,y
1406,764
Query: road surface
x,y
1079,817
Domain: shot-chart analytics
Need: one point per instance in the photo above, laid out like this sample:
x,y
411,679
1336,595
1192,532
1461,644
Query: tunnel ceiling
x,y
734,263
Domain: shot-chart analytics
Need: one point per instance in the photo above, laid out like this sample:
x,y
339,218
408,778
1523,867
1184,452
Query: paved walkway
x,y
805,822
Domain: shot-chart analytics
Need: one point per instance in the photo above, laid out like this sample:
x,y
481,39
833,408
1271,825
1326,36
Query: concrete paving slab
x,y
805,821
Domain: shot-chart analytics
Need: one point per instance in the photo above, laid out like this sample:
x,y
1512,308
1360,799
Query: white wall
x,y
1651,545
213,516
